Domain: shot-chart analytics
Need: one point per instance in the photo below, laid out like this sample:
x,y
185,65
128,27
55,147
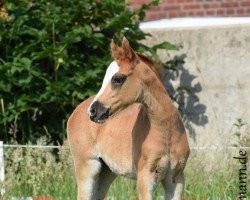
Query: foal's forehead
x,y
112,69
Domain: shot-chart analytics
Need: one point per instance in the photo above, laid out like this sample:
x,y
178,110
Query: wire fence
x,y
58,147
31,146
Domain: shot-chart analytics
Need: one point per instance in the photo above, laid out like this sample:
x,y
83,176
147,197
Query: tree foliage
x,y
53,55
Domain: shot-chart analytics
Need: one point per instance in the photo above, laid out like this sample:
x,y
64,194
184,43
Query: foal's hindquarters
x,y
126,145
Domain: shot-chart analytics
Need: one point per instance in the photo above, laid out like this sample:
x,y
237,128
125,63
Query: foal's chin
x,y
101,120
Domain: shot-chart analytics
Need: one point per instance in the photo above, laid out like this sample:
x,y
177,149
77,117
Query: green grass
x,y
34,173
199,185
55,188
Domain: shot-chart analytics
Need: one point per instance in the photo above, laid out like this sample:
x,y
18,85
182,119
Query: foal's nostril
x,y
92,111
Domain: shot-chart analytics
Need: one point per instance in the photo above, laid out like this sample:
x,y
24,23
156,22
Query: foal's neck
x,y
161,111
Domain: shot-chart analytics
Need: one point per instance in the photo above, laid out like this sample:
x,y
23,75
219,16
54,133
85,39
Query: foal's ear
x,y
128,52
124,52
116,51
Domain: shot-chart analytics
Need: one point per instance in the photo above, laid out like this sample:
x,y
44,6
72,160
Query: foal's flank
x,y
130,128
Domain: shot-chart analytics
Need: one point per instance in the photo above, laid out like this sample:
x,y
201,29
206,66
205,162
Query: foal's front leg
x,y
106,178
87,174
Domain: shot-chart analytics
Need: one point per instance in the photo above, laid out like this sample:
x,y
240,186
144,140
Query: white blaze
x,y
112,69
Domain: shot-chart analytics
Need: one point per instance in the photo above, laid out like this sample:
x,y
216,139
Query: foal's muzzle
x,y
98,112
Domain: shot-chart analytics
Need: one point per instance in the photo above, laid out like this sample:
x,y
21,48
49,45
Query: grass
x,y
61,190
34,173
198,186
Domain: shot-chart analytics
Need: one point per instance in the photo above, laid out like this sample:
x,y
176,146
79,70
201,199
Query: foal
x,y
131,129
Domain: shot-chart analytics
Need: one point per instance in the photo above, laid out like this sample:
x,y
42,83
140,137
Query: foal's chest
x,y
115,148
119,142
115,142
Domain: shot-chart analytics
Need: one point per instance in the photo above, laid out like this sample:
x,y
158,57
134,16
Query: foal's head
x,y
123,83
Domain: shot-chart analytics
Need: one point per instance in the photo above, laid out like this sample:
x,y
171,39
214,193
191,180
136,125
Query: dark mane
x,y
156,67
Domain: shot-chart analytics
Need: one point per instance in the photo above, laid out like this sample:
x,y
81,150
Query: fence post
x,y
2,175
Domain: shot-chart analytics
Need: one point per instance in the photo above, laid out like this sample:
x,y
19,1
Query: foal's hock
x,y
130,128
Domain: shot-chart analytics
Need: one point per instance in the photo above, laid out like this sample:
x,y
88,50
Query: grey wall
x,y
217,68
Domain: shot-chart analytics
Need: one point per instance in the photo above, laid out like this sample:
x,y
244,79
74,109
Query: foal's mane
x,y
156,67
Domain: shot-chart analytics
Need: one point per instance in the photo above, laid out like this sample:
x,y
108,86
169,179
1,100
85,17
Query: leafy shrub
x,y
53,56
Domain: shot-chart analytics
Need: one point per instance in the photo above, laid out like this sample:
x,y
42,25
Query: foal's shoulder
x,y
79,115
82,107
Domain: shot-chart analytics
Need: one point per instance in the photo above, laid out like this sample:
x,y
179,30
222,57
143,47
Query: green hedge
x,y
53,56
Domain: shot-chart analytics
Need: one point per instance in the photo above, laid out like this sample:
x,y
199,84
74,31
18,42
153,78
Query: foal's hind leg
x,y
173,187
146,184
87,173
106,177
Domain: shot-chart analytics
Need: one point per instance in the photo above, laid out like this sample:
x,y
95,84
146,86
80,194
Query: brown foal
x,y
130,128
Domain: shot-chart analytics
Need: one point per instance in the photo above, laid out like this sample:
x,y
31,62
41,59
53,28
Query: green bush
x,y
53,56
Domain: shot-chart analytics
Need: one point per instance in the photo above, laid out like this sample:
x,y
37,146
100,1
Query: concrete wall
x,y
217,68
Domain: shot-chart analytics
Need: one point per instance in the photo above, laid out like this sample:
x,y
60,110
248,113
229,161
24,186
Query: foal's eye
x,y
119,79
